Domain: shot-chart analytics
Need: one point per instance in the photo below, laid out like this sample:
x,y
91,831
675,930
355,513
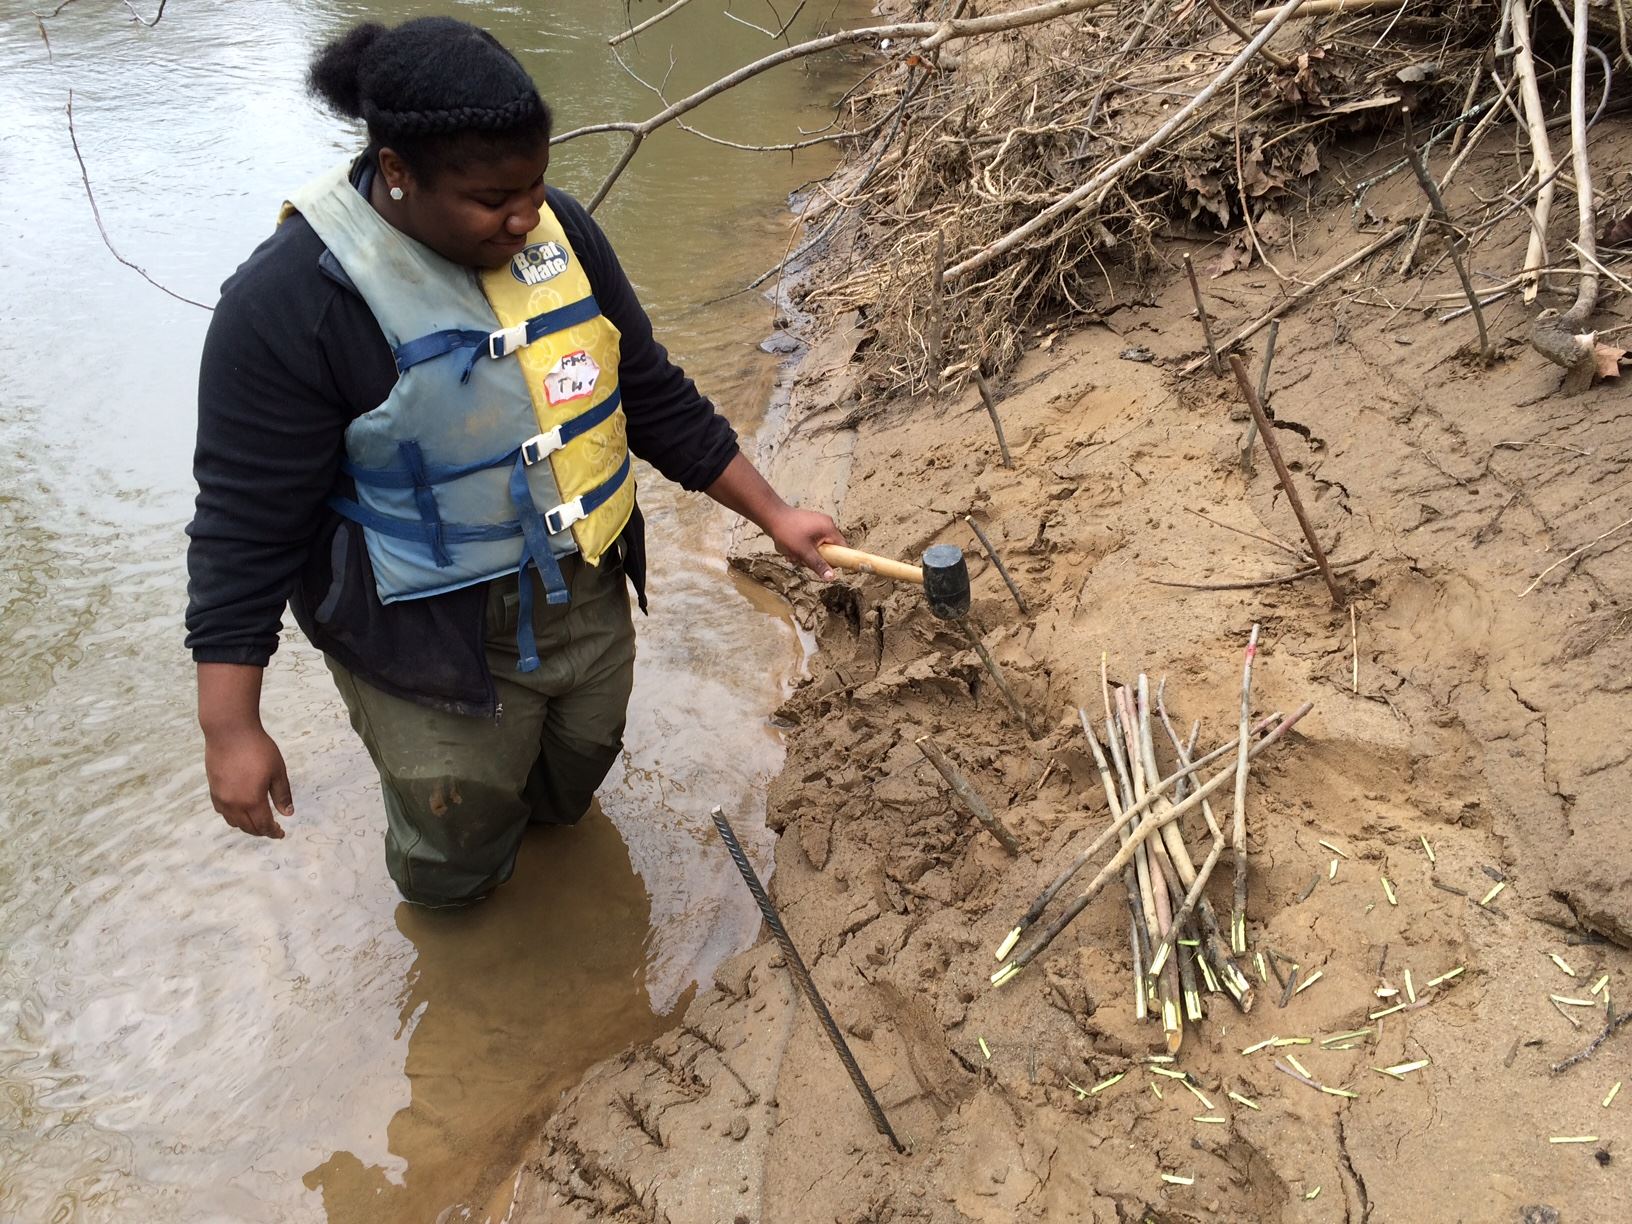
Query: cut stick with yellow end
x,y
1388,891
984,1048
1007,946
1106,1083
1210,1120
1446,977
1308,981
1157,1089
1178,1075
1312,1195
1572,1139
1082,1093
1613,1092
1335,849
1251,1104
1004,974
1199,1095
1410,987
1427,849
1331,871
1491,895
1338,1092
1569,1002
1561,963
1173,1179
1598,986
1302,1070
1387,1011
1259,1045
1405,1068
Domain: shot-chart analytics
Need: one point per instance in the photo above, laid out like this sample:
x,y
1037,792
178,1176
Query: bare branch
x,y
96,212
1103,180
144,20
772,34
933,35
648,23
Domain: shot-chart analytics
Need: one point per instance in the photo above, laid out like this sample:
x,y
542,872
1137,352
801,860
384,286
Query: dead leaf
x,y
1234,256
1609,359
1273,229
1620,232
1309,159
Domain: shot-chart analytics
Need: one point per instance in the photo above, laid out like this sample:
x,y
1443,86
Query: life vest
x,y
503,444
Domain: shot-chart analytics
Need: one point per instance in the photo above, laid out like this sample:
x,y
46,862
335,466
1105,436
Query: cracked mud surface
x,y
1492,726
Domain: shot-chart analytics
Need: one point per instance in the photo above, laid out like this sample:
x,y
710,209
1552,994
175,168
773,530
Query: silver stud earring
x,y
396,193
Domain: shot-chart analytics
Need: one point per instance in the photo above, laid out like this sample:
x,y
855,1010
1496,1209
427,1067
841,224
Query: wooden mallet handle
x,y
840,557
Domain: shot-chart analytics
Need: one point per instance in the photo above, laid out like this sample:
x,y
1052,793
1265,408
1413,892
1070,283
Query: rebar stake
x,y
801,975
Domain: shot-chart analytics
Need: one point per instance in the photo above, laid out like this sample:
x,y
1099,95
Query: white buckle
x,y
540,446
506,341
565,515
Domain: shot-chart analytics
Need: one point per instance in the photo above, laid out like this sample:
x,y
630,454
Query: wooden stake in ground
x,y
1263,396
967,795
1285,478
1238,916
935,325
1541,148
1002,570
1201,313
987,398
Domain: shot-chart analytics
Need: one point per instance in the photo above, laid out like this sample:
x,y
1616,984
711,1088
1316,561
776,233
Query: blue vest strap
x,y
421,532
494,344
537,552
566,515
533,450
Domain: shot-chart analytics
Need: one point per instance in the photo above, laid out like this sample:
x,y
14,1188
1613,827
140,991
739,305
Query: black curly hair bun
x,y
435,90
336,71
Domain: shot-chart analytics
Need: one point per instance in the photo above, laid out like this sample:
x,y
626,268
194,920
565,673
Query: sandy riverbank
x,y
1490,724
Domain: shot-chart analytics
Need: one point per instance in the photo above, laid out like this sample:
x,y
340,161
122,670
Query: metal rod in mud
x,y
987,398
1263,397
801,975
1002,570
1201,313
967,794
1285,477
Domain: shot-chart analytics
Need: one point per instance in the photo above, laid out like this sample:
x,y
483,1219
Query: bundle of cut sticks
x,y
1179,946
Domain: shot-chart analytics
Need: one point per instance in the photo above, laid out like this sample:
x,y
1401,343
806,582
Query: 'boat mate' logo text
x,y
538,263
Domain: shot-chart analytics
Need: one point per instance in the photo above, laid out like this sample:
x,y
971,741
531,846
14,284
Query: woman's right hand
x,y
246,773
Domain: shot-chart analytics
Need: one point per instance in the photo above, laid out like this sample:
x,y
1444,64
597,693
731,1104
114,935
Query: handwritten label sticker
x,y
573,377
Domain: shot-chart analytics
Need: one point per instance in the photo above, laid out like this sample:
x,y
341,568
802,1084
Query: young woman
x,y
417,405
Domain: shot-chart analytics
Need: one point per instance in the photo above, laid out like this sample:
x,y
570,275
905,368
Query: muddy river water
x,y
198,1026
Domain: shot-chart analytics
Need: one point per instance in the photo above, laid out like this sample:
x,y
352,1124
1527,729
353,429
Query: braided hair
x,y
437,91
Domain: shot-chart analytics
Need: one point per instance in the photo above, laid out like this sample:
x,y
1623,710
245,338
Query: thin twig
x,y
1253,584
935,325
648,23
1536,581
1303,291
1251,535
1458,242
134,13
85,178
1610,1027
1263,397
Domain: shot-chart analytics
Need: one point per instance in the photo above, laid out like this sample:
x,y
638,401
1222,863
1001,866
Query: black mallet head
x,y
946,582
